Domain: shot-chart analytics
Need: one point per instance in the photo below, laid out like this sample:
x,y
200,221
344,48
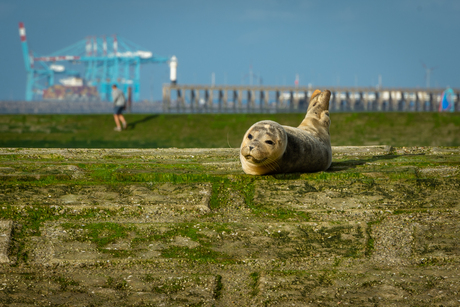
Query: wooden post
x,y
261,100
130,99
192,100
352,100
219,104
250,100
240,100
307,101
180,100
419,101
430,102
296,100
277,100
208,100
338,100
379,101
166,99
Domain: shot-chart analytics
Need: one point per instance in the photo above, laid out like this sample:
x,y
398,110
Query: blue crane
x,y
106,60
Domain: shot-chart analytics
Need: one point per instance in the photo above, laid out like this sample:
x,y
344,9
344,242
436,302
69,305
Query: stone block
x,y
5,239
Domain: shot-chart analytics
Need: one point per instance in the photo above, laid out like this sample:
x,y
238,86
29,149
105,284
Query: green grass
x,y
220,130
101,234
200,254
189,230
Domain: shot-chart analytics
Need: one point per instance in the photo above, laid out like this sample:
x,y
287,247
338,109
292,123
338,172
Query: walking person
x,y
119,104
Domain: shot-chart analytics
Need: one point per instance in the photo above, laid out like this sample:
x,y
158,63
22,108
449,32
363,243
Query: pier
x,y
281,99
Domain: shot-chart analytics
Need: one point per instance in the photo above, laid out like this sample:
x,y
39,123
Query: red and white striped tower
x,y
27,62
25,48
22,32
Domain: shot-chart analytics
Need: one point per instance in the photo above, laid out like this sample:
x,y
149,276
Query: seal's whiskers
x,y
272,165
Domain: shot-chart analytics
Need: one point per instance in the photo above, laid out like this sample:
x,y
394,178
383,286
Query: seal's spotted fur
x,y
270,148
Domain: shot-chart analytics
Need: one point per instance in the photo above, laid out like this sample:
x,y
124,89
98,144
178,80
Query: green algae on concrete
x,y
186,227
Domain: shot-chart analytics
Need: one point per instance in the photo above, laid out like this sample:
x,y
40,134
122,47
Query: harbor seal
x,y
270,148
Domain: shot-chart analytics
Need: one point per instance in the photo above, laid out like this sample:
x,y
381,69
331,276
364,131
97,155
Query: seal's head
x,y
263,145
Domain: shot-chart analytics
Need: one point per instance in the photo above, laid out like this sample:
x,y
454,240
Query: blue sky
x,y
327,43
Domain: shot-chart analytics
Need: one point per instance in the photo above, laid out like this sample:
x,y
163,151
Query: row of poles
x,y
239,99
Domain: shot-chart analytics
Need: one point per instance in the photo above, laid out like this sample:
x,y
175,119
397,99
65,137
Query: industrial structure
x,y
185,98
87,69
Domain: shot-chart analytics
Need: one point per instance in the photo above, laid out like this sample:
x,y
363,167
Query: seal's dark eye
x,y
269,142
250,136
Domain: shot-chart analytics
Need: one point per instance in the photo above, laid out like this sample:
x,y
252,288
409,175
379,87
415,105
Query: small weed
x,y
278,213
337,261
117,284
170,286
282,236
219,286
370,240
369,284
200,254
254,285
148,278
353,252
325,279
434,261
65,282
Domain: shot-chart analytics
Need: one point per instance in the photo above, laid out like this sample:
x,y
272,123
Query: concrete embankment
x,y
186,227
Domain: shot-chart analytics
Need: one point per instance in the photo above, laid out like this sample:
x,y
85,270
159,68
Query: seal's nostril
x,y
251,148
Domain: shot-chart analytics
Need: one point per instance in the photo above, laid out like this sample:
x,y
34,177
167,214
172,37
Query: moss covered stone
x,y
186,227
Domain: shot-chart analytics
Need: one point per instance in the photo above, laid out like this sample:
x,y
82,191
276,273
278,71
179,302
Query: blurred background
x,y
334,43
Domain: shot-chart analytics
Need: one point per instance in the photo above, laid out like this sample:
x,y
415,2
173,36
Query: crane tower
x,y
93,63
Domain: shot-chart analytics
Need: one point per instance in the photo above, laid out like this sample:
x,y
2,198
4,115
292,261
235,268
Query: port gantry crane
x,y
106,60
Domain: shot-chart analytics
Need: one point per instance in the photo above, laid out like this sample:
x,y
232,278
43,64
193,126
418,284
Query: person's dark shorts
x,y
118,110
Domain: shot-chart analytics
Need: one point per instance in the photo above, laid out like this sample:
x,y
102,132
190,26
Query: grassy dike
x,y
220,130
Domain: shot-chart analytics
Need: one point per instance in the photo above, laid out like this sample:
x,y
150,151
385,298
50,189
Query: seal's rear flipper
x,y
319,102
318,110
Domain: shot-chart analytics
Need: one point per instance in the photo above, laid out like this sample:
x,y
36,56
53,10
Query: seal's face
x,y
263,144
